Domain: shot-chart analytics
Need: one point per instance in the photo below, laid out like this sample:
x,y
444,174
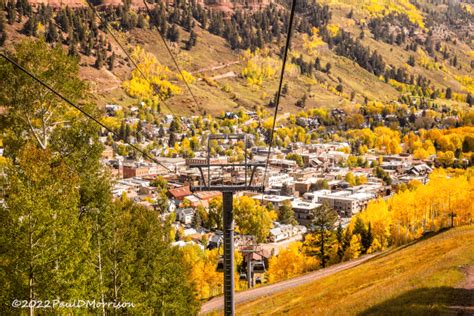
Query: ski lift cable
x,y
109,30
277,101
89,116
171,54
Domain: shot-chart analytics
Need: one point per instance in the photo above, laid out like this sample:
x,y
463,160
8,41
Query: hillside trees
x,y
409,214
290,262
43,238
144,268
259,67
156,82
63,235
31,107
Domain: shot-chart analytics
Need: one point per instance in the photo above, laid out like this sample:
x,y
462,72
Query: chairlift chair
x,y
258,266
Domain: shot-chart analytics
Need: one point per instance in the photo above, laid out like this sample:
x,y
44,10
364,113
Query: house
x,y
283,163
135,170
192,201
216,240
281,232
302,186
179,193
168,118
420,170
346,203
276,235
185,215
277,180
304,211
112,108
276,200
203,160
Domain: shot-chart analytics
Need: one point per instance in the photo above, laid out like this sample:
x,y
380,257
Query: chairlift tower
x,y
227,204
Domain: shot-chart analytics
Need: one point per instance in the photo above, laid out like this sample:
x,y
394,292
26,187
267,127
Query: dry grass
x,y
419,279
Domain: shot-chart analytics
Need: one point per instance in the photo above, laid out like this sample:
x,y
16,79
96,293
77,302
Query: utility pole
x,y
227,205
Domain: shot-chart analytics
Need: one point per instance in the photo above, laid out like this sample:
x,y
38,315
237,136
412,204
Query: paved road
x,y
217,303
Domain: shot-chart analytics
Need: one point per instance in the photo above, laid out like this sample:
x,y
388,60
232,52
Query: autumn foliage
x,y
290,263
444,202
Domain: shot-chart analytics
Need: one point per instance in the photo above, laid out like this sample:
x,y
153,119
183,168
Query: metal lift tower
x,y
227,199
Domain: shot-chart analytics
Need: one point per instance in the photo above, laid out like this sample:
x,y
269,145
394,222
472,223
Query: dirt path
x,y
216,67
469,282
253,294
465,302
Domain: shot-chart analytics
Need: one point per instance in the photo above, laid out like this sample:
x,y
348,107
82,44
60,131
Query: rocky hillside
x,y
343,53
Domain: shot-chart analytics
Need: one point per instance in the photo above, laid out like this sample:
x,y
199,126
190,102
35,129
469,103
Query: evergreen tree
x,y
31,26
192,40
359,229
52,35
284,90
469,98
122,130
197,220
127,133
328,68
323,222
161,132
449,93
3,33
317,64
172,140
72,51
286,189
368,238
11,14
99,62
340,241
286,215
173,33
111,61
350,14
141,22
301,102
175,126
63,21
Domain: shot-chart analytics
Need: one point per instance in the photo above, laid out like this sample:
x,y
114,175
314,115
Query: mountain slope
x,y
428,277
440,46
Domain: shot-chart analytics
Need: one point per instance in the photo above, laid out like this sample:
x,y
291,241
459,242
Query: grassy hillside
x,y
419,279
